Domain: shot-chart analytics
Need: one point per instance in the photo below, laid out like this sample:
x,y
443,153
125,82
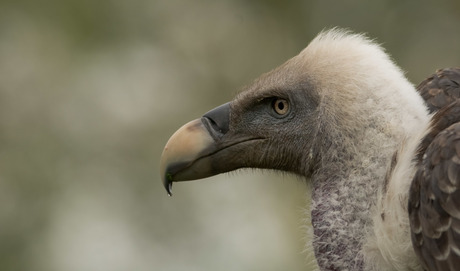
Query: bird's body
x,y
342,115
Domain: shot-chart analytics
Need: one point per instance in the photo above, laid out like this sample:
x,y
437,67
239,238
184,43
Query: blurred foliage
x,y
91,90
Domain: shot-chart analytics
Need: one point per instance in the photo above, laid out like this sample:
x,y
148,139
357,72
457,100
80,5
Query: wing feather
x,y
434,198
441,88
434,203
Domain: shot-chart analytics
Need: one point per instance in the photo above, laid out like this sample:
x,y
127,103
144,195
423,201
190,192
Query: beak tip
x,y
168,189
167,182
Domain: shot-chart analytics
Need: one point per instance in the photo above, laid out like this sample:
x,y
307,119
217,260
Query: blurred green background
x,y
90,91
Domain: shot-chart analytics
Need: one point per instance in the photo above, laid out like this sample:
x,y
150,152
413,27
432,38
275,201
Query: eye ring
x,y
280,106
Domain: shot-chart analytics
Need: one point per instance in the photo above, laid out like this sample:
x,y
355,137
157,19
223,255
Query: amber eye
x,y
281,106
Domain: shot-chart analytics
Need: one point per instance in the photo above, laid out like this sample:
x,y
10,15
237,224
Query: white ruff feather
x,y
372,111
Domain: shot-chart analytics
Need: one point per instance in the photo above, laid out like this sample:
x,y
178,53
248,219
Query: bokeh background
x,y
90,91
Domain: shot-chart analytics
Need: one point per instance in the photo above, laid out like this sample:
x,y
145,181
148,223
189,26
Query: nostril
x,y
214,125
219,118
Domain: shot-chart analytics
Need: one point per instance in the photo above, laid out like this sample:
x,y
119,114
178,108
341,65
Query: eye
x,y
281,106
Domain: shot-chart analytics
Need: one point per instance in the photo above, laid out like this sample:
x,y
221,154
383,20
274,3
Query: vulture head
x,y
342,115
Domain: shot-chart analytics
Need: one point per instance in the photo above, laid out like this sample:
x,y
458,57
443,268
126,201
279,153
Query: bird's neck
x,y
339,220
344,191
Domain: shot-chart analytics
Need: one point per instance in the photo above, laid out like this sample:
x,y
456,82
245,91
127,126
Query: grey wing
x,y
434,198
441,88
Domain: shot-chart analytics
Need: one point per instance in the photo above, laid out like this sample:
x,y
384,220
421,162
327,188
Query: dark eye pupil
x,y
280,105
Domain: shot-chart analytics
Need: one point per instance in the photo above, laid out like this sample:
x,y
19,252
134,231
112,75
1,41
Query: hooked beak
x,y
202,148
180,159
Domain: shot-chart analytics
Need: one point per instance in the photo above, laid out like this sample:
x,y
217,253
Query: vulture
x,y
382,156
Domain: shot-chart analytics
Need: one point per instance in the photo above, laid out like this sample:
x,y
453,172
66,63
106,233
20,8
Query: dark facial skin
x,y
261,128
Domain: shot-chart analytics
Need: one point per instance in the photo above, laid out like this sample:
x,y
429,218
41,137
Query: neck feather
x,y
344,192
